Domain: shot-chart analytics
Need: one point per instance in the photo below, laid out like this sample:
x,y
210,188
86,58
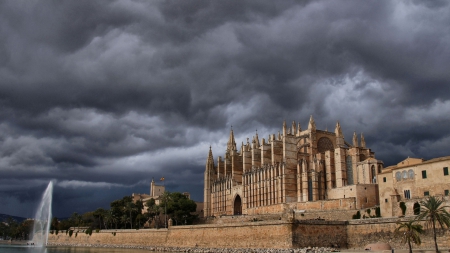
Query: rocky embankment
x,y
203,250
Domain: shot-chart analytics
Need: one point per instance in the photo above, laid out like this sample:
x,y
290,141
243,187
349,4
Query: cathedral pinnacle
x,y
231,145
355,140
363,142
338,130
257,139
312,124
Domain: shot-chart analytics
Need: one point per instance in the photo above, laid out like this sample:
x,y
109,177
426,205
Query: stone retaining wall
x,y
281,234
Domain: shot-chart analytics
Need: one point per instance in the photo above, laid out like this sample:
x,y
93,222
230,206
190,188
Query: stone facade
x,y
412,180
295,166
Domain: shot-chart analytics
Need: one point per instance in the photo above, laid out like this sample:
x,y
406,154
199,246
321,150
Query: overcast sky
x,y
103,96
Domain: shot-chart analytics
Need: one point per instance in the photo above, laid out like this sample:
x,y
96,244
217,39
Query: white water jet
x,y
43,218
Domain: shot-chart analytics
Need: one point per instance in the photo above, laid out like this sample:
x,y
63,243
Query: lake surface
x,y
30,249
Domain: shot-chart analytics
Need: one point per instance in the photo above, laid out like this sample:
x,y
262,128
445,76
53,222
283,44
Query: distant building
x,y
294,167
411,181
156,191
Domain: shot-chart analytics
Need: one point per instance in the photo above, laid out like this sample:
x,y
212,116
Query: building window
x,y
410,174
427,193
349,168
445,171
446,192
407,194
384,179
398,176
404,175
424,174
386,200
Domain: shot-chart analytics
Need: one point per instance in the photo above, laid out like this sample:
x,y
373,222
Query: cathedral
x,y
291,169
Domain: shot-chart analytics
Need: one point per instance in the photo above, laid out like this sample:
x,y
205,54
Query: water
x,y
43,218
51,249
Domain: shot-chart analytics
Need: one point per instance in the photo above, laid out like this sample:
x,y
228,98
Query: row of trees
x,y
123,214
433,213
126,214
11,229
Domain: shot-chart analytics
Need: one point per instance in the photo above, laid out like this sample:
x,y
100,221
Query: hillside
x,y
5,217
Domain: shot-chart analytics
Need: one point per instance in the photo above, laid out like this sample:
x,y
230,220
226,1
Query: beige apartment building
x,y
411,181
295,169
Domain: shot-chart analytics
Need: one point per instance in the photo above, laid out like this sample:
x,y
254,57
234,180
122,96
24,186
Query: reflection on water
x,y
31,249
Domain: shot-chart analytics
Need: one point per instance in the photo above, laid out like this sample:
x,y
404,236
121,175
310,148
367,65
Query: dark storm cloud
x,y
101,96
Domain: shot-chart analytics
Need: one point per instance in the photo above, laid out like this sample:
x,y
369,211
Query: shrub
x,y
88,231
70,233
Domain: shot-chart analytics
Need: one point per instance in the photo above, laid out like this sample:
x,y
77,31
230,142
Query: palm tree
x,y
411,232
434,212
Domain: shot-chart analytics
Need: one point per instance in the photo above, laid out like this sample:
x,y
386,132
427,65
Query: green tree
x,y
122,207
131,208
55,224
153,211
410,232
179,207
76,219
433,212
100,214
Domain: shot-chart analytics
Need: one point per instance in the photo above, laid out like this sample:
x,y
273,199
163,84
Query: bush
x,y
88,231
70,233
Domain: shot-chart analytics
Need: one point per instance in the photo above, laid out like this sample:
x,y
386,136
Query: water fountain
x,y
43,218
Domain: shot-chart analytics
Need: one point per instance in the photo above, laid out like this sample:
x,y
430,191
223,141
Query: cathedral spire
x,y
355,140
284,128
312,124
210,159
231,145
299,128
294,128
363,142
